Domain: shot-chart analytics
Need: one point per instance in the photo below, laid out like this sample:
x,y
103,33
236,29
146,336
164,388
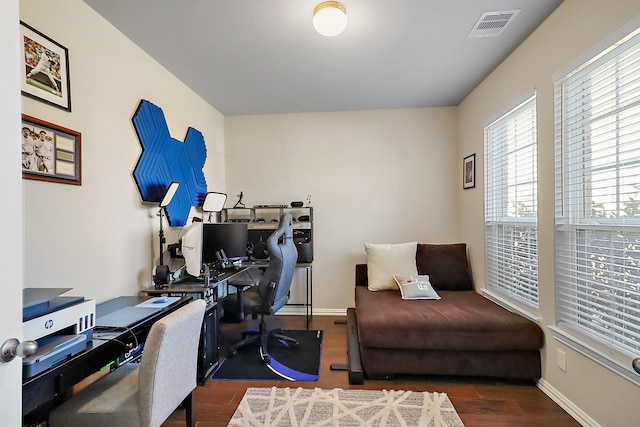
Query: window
x,y
598,198
511,208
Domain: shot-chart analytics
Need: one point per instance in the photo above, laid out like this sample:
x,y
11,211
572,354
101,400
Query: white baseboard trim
x,y
290,310
330,312
578,414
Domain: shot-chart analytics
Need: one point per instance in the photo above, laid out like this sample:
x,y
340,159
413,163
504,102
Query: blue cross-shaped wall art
x,y
165,159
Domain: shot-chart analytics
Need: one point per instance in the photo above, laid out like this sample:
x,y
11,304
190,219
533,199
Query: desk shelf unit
x,y
263,220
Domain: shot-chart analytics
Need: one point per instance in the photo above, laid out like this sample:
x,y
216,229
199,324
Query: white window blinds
x,y
511,208
598,197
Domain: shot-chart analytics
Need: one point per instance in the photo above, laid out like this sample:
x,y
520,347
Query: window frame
x,y
516,295
571,223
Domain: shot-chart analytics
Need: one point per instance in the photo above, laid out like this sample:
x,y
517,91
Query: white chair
x,y
146,394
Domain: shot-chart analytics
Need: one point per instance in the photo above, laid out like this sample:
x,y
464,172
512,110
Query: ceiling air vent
x,y
492,23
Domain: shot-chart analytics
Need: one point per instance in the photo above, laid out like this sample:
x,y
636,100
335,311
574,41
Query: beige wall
x,y
99,238
384,176
573,29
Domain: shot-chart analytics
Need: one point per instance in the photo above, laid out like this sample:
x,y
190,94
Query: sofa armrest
x,y
361,275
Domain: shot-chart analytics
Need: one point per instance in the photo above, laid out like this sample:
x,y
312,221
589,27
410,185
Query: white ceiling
x,y
263,56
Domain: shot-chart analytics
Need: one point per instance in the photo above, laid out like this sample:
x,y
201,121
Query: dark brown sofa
x,y
463,333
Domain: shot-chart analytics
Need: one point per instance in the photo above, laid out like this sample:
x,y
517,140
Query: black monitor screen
x,y
232,237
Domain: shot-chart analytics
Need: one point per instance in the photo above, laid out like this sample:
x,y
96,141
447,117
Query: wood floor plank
x,y
479,402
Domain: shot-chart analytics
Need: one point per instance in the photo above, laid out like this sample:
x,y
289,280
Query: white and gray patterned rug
x,y
297,407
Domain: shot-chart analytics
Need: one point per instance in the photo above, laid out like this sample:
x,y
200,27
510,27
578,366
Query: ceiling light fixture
x,y
330,18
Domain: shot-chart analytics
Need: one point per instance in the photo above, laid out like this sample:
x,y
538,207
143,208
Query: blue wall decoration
x,y
165,159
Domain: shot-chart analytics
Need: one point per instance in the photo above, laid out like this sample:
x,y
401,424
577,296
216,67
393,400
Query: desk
x,y
187,286
43,392
208,347
208,351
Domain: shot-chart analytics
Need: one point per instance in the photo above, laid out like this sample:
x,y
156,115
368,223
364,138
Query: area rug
x,y
297,407
300,363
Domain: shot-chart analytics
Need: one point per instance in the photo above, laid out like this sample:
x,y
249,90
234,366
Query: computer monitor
x,y
231,237
201,241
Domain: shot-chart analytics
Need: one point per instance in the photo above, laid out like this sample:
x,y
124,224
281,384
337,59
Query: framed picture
x,y
469,172
45,68
50,152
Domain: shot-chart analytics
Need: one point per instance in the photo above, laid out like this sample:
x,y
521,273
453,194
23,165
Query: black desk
x,y
208,356
43,392
188,286
193,289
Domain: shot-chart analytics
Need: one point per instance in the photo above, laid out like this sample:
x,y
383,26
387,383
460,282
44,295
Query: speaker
x,y
305,251
161,278
258,238
304,245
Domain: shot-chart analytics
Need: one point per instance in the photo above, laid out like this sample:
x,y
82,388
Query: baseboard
x,y
330,312
292,310
578,414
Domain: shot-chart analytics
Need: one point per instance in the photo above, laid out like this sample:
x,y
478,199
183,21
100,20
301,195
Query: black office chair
x,y
272,292
246,280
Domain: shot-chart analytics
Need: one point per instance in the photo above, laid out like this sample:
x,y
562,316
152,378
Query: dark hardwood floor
x,y
479,402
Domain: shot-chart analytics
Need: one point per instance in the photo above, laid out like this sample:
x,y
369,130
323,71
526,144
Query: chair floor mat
x,y
300,363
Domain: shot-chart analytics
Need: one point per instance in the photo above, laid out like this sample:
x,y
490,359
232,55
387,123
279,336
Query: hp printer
x,y
61,325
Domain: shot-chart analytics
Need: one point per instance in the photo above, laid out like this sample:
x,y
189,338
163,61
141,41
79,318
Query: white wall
x,y
385,176
100,238
573,29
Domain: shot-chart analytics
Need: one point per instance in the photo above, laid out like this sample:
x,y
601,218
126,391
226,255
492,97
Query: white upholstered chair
x,y
144,394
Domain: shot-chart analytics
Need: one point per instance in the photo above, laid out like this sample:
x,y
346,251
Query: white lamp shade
x,y
330,18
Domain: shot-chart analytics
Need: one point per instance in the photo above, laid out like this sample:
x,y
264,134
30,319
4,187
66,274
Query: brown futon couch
x,y
463,333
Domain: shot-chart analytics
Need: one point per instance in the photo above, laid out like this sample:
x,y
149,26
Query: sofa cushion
x,y
415,287
446,265
385,260
460,320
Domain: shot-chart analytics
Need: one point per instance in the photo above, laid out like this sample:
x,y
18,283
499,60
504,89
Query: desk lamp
x,y
161,277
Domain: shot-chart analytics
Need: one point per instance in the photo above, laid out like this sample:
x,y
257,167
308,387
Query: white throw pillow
x,y
415,287
385,260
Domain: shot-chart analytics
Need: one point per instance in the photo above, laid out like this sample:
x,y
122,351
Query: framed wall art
x,y
45,68
50,152
469,172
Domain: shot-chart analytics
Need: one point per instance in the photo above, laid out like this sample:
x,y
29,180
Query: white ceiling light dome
x,y
330,18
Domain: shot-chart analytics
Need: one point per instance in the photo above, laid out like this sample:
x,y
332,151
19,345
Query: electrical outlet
x,y
562,360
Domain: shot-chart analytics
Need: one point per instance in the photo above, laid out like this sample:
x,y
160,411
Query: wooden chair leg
x,y
188,409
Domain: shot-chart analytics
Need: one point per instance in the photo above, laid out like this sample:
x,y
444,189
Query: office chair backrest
x,y
169,363
283,256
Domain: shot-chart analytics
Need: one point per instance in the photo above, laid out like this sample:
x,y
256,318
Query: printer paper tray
x,y
51,351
